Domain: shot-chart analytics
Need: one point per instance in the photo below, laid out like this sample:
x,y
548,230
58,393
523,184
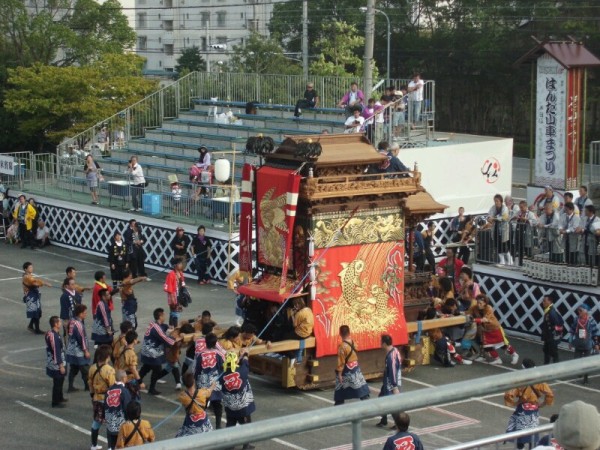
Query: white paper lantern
x,y
222,170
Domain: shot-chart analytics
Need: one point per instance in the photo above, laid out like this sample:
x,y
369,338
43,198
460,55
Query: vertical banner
x,y
575,79
551,121
361,286
271,216
290,217
246,221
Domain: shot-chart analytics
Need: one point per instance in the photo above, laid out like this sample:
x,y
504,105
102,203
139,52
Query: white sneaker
x,y
178,387
148,279
496,362
161,382
481,359
139,209
132,209
96,447
514,359
466,362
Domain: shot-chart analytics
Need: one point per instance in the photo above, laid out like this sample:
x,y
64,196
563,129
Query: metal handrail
x,y
356,412
501,438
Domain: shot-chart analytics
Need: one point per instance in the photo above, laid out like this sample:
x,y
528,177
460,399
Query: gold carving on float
x,y
316,187
272,215
367,227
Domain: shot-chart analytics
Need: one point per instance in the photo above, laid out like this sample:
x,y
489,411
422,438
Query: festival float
x,y
326,228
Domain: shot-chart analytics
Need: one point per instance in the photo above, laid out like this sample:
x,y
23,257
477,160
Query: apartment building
x,y
166,27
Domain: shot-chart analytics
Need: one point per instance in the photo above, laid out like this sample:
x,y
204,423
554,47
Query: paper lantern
x,y
222,170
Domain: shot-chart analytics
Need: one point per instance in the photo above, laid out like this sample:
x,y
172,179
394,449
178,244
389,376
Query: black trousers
x,y
430,259
112,440
116,275
156,370
302,103
582,354
136,195
137,261
217,408
202,267
74,370
25,236
550,351
57,389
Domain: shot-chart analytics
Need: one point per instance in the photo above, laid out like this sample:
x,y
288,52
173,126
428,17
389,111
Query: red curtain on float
x,y
361,286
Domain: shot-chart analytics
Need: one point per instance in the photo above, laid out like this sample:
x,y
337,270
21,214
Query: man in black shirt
x,y
310,100
201,251
180,244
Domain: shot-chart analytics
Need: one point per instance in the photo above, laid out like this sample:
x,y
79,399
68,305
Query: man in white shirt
x,y
354,122
42,234
589,227
583,200
415,98
138,182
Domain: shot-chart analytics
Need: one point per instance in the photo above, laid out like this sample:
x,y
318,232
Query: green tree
x,y
190,61
51,103
338,51
262,55
61,33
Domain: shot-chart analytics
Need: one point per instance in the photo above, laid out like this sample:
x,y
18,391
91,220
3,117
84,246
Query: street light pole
x,y
389,35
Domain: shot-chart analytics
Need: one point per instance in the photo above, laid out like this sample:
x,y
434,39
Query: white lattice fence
x,y
92,232
518,301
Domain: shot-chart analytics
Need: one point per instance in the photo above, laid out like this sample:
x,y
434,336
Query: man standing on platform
x,y
589,227
569,222
415,98
138,183
583,200
552,329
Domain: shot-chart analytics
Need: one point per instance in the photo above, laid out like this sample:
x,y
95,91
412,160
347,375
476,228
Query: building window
x,y
142,43
168,49
221,39
168,3
203,44
142,23
160,40
221,19
187,16
252,24
168,25
205,21
141,2
160,64
241,15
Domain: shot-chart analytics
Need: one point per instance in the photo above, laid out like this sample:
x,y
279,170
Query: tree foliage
x,y
339,48
262,55
51,103
467,46
61,33
190,61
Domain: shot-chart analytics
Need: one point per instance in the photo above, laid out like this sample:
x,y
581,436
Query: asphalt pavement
x,y
30,423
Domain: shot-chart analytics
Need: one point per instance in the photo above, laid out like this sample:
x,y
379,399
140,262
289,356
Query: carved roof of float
x,y
337,149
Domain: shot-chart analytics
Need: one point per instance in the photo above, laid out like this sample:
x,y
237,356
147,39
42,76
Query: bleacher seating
x,y
172,148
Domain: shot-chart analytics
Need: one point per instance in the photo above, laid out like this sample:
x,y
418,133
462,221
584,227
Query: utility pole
x,y
305,38
369,42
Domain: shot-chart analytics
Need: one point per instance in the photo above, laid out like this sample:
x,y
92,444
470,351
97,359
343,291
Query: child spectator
x,y
12,234
176,196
